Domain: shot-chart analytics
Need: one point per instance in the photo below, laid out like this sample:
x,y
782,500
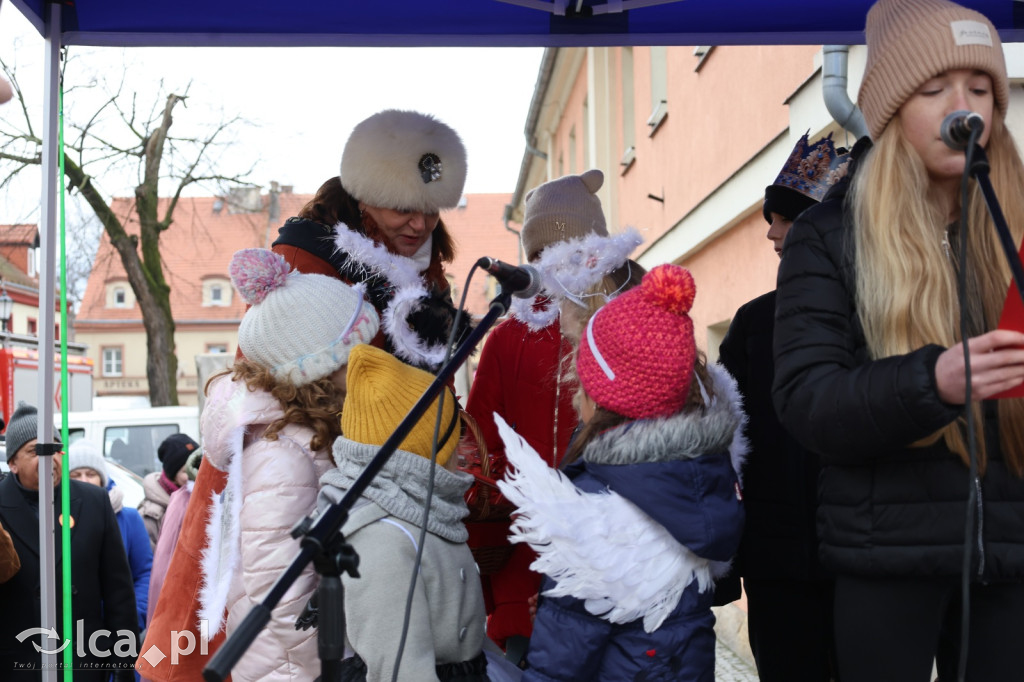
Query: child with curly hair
x,y
269,423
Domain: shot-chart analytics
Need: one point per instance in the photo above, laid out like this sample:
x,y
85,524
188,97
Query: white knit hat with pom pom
x,y
300,326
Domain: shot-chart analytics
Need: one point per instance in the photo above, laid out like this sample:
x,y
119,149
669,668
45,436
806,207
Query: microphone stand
x,y
978,168
323,543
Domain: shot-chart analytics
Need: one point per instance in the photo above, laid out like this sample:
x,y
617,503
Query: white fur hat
x,y
300,326
406,161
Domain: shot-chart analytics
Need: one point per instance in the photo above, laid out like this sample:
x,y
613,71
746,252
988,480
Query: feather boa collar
x,y
368,260
569,269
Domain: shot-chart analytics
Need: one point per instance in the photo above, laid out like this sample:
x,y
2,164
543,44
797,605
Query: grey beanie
x,y
562,209
22,428
82,454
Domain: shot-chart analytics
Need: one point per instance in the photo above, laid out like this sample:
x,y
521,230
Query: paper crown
x,y
811,169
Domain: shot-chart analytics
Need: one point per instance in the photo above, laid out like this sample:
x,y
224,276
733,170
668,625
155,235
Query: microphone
x,y
522,281
957,127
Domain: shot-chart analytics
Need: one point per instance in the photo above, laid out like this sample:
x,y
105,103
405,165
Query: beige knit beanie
x,y
562,209
910,41
381,391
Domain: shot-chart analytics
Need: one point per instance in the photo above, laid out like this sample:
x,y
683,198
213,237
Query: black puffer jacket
x,y
885,508
780,477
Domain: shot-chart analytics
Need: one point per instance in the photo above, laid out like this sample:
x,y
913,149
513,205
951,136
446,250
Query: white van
x,y
131,437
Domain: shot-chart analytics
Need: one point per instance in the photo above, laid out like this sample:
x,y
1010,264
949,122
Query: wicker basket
x,y
489,512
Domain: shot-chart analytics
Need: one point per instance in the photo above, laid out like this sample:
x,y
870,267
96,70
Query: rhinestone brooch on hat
x,y
430,167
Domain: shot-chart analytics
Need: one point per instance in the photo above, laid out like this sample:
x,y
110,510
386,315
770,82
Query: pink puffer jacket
x,y
270,486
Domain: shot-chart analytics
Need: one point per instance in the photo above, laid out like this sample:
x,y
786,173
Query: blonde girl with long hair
x,y
870,368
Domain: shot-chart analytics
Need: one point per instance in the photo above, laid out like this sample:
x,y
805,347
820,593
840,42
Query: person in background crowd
x,y
9,561
379,224
647,513
86,464
446,624
173,453
268,424
169,530
103,598
870,366
519,378
789,596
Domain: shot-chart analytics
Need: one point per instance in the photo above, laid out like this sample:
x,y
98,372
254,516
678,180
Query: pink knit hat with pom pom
x,y
300,326
636,357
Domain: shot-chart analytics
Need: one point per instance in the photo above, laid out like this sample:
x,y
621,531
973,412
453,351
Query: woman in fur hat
x,y
267,426
647,513
871,336
379,224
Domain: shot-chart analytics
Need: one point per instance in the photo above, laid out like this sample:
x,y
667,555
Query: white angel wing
x,y
599,547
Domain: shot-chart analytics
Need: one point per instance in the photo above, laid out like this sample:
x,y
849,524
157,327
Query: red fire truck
x,y
19,380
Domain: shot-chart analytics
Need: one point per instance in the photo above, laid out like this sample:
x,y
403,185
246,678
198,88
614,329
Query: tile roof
x,y
201,241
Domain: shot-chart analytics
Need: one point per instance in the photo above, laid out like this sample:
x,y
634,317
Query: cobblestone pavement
x,y
731,668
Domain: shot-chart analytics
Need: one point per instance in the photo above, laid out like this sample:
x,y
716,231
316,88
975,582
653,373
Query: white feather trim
x,y
376,259
408,344
599,547
220,556
410,288
570,268
726,389
537,313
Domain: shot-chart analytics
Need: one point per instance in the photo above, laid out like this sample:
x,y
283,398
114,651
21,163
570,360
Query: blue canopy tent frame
x,y
382,23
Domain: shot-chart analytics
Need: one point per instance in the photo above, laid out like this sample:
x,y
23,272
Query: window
x,y
659,88
216,348
33,264
216,292
701,52
628,111
135,447
119,295
586,135
112,362
572,151
33,326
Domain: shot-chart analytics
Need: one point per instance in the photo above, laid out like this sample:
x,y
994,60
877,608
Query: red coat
x,y
518,378
177,608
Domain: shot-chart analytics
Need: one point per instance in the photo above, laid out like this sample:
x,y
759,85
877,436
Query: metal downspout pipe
x,y
837,99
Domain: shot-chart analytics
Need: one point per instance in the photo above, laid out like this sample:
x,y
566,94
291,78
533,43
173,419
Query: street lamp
x,y
6,304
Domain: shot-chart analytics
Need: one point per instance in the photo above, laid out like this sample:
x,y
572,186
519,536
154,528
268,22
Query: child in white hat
x,y
268,424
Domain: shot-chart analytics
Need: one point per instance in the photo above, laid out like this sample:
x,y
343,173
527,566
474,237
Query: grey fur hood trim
x,y
685,435
400,488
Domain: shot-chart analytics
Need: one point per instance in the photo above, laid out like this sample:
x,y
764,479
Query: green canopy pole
x,y
65,487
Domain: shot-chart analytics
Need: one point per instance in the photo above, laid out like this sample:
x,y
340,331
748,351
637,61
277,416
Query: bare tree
x,y
113,136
